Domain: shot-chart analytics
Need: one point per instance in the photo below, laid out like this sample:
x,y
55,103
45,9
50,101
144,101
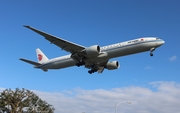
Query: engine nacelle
x,y
93,50
112,65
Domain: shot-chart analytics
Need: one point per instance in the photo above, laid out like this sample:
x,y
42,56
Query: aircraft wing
x,y
63,44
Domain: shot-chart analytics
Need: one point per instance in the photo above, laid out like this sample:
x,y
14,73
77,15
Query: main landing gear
x,y
92,71
80,63
151,51
93,68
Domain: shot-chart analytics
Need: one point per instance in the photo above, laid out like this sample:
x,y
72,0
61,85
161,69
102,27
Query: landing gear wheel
x,y
80,63
151,54
90,72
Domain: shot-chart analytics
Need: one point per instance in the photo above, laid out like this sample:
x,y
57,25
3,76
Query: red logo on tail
x,y
40,57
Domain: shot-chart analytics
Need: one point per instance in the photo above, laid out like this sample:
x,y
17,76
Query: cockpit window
x,y
157,38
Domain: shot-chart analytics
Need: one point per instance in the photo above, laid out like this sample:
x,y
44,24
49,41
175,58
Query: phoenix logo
x,y
40,57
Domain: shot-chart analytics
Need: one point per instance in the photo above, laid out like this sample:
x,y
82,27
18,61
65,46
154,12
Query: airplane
x,y
95,58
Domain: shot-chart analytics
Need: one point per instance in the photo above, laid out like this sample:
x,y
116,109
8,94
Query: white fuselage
x,y
108,52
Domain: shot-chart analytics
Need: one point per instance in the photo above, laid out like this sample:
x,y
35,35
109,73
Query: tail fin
x,y
41,56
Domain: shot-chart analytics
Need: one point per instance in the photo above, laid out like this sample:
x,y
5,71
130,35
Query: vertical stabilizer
x,y
41,56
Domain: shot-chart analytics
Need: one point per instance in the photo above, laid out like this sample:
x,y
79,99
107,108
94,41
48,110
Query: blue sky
x,y
89,22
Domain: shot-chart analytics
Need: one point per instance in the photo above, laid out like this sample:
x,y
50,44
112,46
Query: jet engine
x,y
112,65
93,50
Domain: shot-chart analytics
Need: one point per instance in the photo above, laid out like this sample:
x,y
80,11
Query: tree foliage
x,y
21,101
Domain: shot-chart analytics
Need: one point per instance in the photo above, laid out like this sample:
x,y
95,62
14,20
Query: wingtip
x,y
20,58
26,26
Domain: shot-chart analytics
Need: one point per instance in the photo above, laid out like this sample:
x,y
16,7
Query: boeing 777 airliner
x,y
95,58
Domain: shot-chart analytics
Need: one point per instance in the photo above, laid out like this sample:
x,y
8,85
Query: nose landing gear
x,y
151,51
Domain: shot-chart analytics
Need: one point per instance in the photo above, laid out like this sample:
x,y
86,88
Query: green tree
x,y
20,101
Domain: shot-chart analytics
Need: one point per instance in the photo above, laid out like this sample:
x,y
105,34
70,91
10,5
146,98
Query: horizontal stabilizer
x,y
30,62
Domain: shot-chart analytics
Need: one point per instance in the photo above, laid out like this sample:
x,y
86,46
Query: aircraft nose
x,y
161,42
